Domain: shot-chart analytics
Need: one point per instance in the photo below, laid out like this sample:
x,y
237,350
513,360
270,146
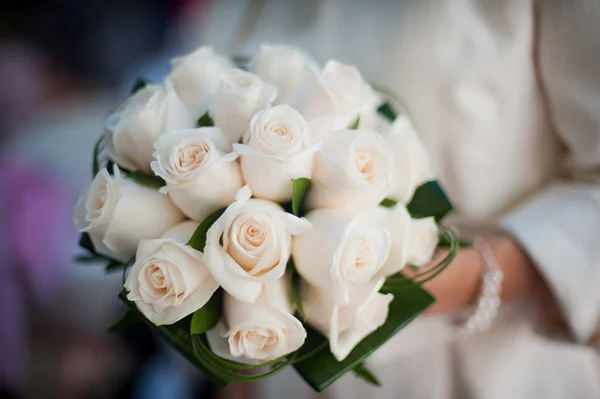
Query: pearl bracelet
x,y
488,302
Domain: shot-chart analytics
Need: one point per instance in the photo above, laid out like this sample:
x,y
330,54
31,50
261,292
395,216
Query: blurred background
x,y
64,64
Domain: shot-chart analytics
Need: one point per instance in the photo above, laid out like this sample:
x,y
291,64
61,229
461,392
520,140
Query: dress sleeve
x,y
560,226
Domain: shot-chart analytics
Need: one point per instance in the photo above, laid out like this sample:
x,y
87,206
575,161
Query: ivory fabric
x,y
506,95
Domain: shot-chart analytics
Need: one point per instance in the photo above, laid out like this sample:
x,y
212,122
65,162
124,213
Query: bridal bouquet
x,y
260,210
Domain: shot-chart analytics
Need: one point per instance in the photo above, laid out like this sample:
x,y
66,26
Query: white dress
x,y
506,95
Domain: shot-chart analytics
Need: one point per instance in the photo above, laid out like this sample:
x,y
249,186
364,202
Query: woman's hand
x,y
459,284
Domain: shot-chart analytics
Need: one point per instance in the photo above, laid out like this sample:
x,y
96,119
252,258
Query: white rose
x,y
117,213
239,96
250,244
333,98
424,237
255,333
397,222
131,130
200,176
278,149
169,279
195,76
340,250
346,325
352,171
284,66
411,161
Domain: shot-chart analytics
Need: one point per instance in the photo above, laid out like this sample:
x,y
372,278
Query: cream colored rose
x,y
195,76
331,99
200,176
255,333
341,249
131,130
346,325
118,213
239,96
424,237
278,149
397,222
411,161
352,171
284,66
169,279
250,244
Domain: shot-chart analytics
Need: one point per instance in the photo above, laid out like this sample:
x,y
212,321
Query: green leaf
x,y
429,200
299,190
363,372
179,337
124,323
242,61
354,125
85,242
146,180
321,369
110,167
97,150
86,258
295,292
445,243
230,370
195,349
113,266
205,121
201,342
388,203
208,315
387,111
139,84
198,239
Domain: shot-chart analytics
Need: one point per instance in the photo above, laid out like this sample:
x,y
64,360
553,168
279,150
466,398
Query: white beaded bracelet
x,y
488,302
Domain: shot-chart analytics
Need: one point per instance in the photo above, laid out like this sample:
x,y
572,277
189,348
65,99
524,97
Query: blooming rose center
x,y
281,132
252,242
257,342
191,155
359,259
160,281
156,277
252,234
102,198
365,163
98,202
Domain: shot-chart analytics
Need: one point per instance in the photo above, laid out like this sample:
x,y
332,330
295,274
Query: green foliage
x,y
208,315
429,200
388,203
144,179
387,111
89,258
124,323
321,369
295,288
198,239
354,125
363,372
113,266
96,160
299,190
205,121
85,242
139,84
